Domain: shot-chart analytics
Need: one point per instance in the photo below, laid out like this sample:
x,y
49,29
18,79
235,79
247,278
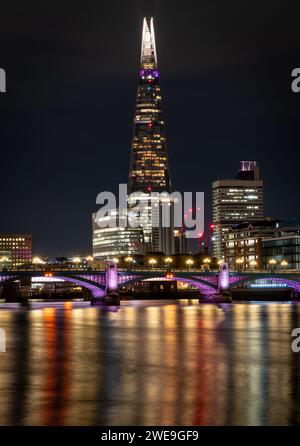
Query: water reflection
x,y
151,363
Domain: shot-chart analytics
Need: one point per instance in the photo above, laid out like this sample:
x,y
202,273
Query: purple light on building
x,y
150,73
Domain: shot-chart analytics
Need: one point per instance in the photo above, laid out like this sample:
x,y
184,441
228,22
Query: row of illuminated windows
x,y
237,190
146,143
240,251
149,157
247,258
20,255
158,155
228,215
149,137
149,173
21,244
143,164
250,242
236,200
14,239
240,196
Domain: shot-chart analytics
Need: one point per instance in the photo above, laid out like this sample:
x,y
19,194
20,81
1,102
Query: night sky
x,y
72,72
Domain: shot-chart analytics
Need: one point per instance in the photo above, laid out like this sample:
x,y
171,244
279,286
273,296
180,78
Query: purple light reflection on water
x,y
85,366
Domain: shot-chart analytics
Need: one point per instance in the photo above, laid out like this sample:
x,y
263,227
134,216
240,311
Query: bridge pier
x,y
295,295
223,294
110,296
24,290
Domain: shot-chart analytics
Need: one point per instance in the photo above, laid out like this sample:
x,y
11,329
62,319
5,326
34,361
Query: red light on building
x,y
212,226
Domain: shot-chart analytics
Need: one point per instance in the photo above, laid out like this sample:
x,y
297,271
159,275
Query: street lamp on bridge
x,y
253,264
272,263
152,262
189,262
129,260
206,262
239,262
168,261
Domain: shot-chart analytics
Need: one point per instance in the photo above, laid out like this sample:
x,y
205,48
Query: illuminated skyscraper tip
x,y
149,171
148,50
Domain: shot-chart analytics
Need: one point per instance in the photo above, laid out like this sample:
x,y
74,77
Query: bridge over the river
x,y
105,283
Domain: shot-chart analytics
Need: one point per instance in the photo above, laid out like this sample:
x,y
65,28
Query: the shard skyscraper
x,y
149,170
149,167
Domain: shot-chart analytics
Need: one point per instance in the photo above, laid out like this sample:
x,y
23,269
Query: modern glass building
x,y
149,169
236,200
283,248
149,166
111,241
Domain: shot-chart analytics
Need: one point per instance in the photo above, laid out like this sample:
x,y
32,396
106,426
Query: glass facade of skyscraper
x,y
110,240
149,169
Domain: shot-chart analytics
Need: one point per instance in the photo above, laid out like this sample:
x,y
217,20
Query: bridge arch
x,y
96,289
202,285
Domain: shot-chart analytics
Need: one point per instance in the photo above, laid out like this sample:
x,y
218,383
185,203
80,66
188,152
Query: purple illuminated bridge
x,y
105,283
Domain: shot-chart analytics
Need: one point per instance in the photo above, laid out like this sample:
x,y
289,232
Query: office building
x,y
243,243
15,250
112,241
282,249
149,166
149,170
236,200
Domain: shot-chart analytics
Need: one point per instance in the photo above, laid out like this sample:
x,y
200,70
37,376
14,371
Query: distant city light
x,y
38,261
76,260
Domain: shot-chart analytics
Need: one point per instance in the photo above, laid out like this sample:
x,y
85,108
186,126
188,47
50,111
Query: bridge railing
x,y
89,270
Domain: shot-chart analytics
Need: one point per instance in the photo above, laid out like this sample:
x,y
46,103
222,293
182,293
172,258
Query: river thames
x,y
150,363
